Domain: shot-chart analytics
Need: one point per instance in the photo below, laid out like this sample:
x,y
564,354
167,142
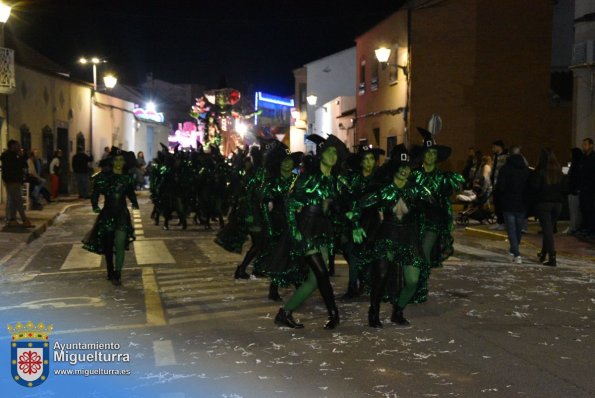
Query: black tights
x,y
258,241
317,277
379,278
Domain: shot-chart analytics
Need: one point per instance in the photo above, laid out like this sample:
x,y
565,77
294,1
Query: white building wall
x,y
42,100
328,78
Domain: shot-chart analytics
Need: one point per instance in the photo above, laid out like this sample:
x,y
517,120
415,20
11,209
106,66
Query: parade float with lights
x,y
219,121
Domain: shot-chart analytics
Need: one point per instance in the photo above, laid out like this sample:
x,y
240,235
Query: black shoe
x,y
374,317
398,318
274,293
285,318
333,319
541,256
551,262
110,274
241,273
352,291
117,279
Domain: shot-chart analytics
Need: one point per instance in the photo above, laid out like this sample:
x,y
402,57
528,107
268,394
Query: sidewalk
x,y
13,239
566,245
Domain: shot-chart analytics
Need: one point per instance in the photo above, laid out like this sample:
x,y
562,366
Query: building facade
x,y
50,111
327,79
485,80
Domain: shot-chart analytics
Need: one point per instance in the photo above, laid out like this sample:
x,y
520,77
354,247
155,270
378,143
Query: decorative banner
x,y
149,115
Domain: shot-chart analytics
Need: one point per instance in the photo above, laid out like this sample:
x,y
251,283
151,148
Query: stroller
x,y
477,206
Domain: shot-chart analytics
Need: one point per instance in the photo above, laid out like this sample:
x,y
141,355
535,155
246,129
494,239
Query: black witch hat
x,y
129,157
429,143
323,143
354,160
399,156
276,152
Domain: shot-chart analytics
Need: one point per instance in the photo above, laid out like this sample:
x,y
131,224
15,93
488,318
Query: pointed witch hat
x,y
323,143
277,152
429,143
355,159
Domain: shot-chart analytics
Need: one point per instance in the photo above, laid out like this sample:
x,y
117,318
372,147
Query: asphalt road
x,y
490,328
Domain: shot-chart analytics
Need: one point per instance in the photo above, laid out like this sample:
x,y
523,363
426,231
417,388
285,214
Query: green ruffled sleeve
x,y
297,200
130,192
99,185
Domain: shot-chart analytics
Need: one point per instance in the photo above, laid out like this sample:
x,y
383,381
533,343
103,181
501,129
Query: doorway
x,y
63,145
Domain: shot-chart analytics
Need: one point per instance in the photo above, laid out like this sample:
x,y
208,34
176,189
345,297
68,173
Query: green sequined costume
x,y
397,238
274,198
114,216
309,212
436,218
247,216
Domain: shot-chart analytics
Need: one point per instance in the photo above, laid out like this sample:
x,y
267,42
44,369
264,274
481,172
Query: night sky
x,y
250,43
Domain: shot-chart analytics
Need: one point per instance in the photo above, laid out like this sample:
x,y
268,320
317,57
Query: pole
x,y
94,76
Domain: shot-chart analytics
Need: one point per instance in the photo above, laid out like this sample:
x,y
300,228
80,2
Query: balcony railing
x,y
7,80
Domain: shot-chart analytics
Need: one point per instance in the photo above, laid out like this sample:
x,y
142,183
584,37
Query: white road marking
x,y
79,258
153,252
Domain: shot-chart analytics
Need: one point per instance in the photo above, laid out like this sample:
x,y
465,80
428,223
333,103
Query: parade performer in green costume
x,y
436,219
359,182
113,227
396,244
310,218
279,163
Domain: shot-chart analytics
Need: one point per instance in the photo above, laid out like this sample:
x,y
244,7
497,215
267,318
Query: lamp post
x,y
4,15
93,61
382,55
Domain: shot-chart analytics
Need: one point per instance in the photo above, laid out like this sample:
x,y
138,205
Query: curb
x,y
485,234
502,237
37,232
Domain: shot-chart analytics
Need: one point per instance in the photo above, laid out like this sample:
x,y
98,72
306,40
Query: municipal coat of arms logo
x,y
30,353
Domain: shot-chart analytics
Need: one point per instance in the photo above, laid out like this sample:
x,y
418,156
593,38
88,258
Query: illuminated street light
x,y
382,54
4,12
95,61
151,107
110,81
312,99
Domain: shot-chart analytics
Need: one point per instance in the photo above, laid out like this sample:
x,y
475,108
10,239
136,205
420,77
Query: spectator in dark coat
x,y
512,191
13,174
587,189
548,185
500,157
80,167
573,190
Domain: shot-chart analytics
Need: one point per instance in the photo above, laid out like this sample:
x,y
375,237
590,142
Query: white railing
x,y
7,79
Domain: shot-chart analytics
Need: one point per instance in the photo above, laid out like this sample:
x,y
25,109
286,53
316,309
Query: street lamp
x,y
382,55
4,15
94,61
110,81
4,12
312,99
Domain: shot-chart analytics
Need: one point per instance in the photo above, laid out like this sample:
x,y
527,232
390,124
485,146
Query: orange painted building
x,y
483,66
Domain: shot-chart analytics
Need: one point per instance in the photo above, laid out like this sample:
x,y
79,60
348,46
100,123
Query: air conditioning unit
x,y
583,53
